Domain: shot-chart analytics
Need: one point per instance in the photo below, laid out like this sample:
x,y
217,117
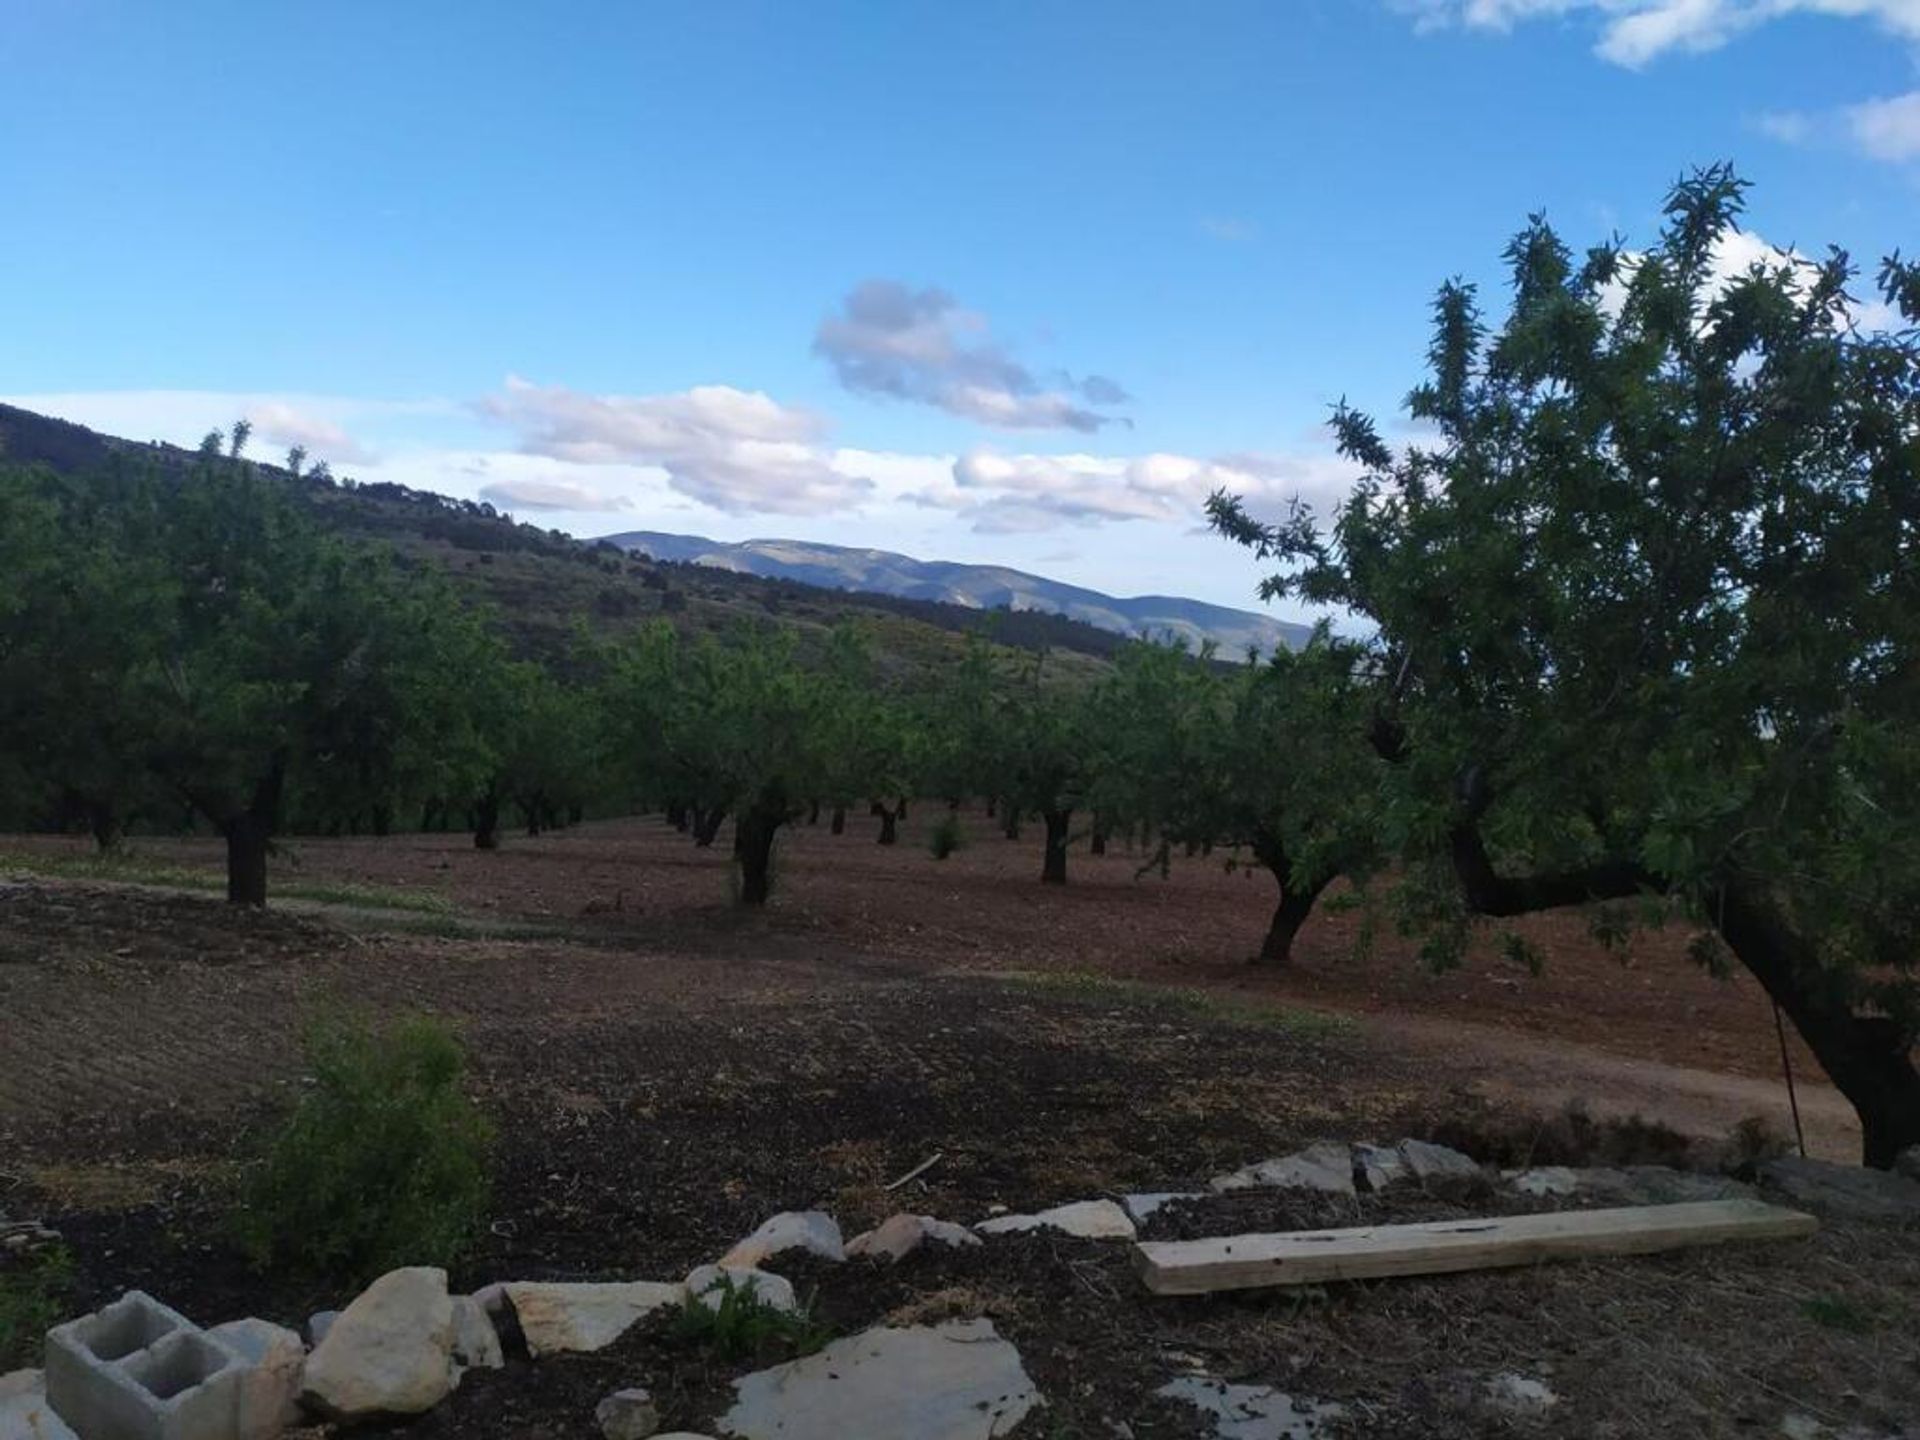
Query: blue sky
x,y
1010,282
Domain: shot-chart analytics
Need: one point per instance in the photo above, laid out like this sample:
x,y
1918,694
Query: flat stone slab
x,y
24,1411
1252,1412
1326,1167
585,1316
1086,1219
958,1381
1850,1191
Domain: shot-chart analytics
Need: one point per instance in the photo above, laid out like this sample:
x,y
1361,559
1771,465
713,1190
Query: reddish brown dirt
x,y
640,882
664,1072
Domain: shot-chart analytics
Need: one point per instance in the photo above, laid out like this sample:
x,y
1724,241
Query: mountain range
x,y
980,587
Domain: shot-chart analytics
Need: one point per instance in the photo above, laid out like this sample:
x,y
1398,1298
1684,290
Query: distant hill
x,y
541,583
978,587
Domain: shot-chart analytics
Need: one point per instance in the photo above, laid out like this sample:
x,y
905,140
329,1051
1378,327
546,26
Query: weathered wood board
x,y
1369,1252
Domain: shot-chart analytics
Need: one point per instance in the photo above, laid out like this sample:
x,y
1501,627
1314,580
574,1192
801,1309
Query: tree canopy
x,y
1646,617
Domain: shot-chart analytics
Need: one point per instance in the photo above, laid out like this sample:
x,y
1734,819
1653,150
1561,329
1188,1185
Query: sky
x,y
1016,283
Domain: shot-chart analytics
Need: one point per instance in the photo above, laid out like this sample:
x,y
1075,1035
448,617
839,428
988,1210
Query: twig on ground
x,y
918,1170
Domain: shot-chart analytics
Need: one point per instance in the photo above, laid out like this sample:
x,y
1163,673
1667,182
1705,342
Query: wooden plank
x,y
1367,1252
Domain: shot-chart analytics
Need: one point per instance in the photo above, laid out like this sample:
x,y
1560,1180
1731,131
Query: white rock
x,y
319,1323
958,1381
584,1316
24,1412
276,1360
476,1344
1378,1166
1140,1206
1544,1180
1087,1219
1251,1412
1325,1167
1520,1394
1437,1162
389,1351
1907,1162
899,1235
627,1415
813,1231
707,1287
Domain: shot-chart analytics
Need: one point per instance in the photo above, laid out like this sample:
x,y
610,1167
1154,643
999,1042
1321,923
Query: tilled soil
x,y
660,1085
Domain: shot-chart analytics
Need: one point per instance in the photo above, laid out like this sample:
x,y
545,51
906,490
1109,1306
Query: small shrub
x,y
742,1326
381,1164
946,837
33,1295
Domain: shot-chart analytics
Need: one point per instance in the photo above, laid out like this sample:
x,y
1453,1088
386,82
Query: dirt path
x,y
1515,1069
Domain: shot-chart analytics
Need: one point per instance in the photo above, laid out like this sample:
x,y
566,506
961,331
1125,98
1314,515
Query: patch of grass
x,y
739,1325
130,868
1091,988
381,1164
33,1296
1837,1313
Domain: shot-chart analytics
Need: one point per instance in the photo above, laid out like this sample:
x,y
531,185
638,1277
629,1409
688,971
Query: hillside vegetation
x,y
541,582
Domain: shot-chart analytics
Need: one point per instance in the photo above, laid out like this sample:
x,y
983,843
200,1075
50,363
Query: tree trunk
x,y
1869,1058
1097,842
993,806
889,824
104,821
813,812
383,820
246,861
1296,900
1010,821
838,826
706,824
486,822
248,835
1053,867
753,845
677,816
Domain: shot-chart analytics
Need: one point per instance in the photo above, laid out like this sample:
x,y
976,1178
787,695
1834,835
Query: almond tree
x,y
1647,618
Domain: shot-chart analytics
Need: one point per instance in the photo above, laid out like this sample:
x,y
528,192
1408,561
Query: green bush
x,y
739,1325
33,1293
381,1164
946,837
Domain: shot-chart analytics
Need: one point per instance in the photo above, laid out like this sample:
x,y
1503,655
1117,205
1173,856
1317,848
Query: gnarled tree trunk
x,y
1053,865
1868,1057
753,835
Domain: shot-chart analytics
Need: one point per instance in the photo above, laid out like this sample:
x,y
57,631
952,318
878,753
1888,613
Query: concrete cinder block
x,y
140,1370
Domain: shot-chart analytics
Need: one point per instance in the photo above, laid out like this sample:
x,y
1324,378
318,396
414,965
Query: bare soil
x,y
664,1073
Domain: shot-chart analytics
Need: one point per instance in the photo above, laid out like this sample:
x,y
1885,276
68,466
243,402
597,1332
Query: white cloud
x,y
737,451
1025,494
286,425
1789,127
1637,32
1888,129
904,344
1734,255
551,495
